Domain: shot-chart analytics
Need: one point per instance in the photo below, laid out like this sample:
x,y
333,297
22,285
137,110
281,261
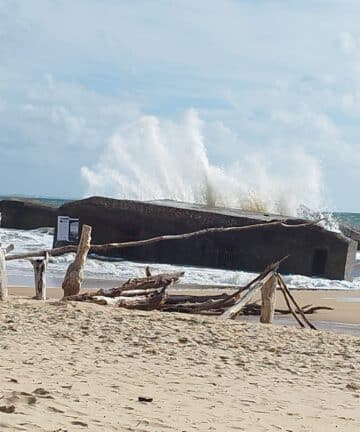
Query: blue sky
x,y
268,78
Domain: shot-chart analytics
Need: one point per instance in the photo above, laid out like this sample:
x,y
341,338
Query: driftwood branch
x,y
110,246
288,303
298,308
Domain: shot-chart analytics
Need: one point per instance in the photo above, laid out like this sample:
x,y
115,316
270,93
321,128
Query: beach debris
x,y
353,386
41,392
7,409
79,423
13,380
40,265
145,399
149,293
75,273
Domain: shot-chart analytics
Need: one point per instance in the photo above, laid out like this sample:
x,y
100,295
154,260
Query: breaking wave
x,y
159,159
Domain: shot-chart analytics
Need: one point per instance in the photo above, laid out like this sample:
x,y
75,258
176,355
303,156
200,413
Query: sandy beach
x,y
79,366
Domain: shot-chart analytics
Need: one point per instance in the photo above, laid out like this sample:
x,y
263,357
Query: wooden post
x,y
40,266
3,276
268,296
75,273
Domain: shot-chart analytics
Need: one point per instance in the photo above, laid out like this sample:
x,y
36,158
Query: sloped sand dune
x,y
82,367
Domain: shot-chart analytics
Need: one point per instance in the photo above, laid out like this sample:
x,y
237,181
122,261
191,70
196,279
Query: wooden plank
x,y
233,311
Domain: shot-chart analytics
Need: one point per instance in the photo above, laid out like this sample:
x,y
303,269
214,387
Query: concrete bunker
x,y
312,250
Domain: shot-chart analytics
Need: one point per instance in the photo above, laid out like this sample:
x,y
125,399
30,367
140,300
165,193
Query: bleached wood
x,y
40,266
3,277
268,298
75,273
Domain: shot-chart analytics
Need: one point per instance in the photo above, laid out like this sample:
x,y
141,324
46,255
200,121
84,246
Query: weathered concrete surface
x,y
22,214
313,250
350,232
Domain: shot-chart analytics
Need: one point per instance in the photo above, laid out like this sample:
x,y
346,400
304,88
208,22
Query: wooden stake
x,y
40,266
268,296
75,273
298,308
3,276
289,305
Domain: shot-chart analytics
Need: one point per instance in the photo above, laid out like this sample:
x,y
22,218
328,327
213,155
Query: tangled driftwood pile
x,y
151,293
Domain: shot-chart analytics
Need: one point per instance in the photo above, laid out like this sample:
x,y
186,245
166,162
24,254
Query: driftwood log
x,y
148,303
40,266
140,286
75,273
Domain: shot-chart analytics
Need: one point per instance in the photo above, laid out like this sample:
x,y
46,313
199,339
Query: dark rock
x,y
21,214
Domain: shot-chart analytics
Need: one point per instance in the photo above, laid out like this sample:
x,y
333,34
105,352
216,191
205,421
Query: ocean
x,y
20,272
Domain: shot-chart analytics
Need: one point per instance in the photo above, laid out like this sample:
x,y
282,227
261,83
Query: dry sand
x,y
81,367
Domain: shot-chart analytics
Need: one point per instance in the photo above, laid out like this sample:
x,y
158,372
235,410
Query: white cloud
x,y
348,43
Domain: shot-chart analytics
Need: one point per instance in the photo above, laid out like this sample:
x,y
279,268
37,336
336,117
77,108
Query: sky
x,y
267,80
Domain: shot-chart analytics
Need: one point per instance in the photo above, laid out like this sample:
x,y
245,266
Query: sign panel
x,y
67,229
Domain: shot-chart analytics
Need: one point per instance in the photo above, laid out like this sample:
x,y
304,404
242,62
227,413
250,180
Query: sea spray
x,y
154,158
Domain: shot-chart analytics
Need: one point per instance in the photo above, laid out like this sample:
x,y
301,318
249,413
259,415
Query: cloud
x,y
266,77
348,43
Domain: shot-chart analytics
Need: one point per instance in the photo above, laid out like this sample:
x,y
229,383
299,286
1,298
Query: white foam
x,y
117,270
157,159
